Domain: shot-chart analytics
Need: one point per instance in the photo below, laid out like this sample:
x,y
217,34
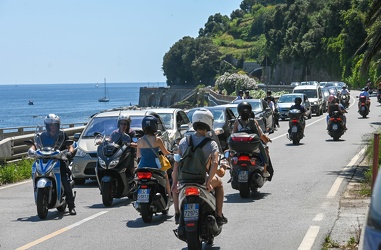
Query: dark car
x,y
222,125
262,112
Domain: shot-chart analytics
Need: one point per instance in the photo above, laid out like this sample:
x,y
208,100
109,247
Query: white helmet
x,y
204,117
52,119
124,118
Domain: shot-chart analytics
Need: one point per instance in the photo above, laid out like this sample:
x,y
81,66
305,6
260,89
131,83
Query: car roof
x,y
306,87
246,100
122,112
165,110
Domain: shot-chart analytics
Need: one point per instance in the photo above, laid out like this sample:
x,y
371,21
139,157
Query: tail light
x,y
244,158
144,175
294,121
335,119
192,191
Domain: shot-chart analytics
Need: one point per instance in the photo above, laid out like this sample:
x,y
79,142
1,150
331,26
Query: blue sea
x,y
74,103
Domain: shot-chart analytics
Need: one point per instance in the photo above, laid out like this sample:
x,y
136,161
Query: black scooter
x,y
114,169
295,133
336,126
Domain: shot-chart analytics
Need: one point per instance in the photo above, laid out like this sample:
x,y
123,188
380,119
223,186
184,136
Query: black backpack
x,y
192,166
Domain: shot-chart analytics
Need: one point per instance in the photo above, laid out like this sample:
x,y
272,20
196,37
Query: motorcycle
x,y
48,190
364,110
336,126
344,100
246,163
295,133
114,170
151,196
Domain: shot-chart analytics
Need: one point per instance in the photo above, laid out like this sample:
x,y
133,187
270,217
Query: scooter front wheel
x,y
107,194
42,203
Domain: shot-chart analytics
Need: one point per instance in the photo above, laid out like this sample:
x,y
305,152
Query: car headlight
x,y
314,103
80,153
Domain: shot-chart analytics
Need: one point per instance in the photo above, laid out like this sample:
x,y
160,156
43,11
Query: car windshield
x,y
255,105
103,125
218,115
167,119
287,98
311,93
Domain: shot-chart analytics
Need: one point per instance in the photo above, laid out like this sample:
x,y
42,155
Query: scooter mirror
x,y
227,154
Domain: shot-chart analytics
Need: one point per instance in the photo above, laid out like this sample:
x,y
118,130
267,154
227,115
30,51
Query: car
x,y
372,228
294,84
85,159
285,101
314,83
175,120
263,112
322,84
222,122
314,94
333,90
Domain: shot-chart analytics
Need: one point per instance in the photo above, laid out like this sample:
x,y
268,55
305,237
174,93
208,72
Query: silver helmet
x,y
204,117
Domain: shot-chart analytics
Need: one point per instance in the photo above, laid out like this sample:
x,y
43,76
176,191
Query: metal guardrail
x,y
13,148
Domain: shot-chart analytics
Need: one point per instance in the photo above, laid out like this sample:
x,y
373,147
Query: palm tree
x,y
373,40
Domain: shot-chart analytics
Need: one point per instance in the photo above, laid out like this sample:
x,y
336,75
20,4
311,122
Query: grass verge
x,y
16,171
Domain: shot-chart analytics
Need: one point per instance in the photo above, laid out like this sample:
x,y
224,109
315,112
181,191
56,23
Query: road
x,y
294,211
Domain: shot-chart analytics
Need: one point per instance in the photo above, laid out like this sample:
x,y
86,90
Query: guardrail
x,y
13,148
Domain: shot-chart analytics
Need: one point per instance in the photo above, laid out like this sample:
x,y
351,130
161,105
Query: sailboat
x,y
104,99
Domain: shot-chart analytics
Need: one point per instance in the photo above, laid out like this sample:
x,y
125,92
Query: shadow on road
x,y
236,198
156,220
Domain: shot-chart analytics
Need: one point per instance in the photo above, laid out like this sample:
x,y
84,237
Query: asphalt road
x,y
294,211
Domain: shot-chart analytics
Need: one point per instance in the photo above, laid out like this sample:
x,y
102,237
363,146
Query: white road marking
x,y
49,236
15,184
319,217
309,238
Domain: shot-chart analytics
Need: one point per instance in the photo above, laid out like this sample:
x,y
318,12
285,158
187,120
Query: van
x,y
314,94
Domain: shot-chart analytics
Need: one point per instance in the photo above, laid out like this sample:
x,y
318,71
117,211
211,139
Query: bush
x,y
14,172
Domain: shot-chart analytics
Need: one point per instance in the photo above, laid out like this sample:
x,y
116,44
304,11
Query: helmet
x,y
202,117
344,86
331,98
298,100
244,110
52,119
269,92
366,88
149,122
240,91
124,118
247,91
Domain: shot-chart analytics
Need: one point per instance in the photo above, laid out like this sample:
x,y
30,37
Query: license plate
x,y
191,211
294,129
335,127
143,195
243,176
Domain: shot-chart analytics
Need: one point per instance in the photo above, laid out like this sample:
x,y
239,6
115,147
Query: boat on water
x,y
30,102
105,97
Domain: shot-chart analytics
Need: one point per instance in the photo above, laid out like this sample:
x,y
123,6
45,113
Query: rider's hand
x,y
174,188
209,186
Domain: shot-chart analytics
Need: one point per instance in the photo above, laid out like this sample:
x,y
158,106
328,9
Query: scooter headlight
x,y
114,162
101,162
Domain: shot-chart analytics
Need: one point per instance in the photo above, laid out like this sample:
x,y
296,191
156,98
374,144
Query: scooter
x,y
197,221
364,110
344,99
48,190
295,133
151,197
114,170
246,164
336,126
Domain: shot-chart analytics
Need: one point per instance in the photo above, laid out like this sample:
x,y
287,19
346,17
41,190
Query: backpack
x,y
250,128
192,166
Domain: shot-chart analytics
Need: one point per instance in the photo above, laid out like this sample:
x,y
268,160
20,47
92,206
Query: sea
x,y
73,103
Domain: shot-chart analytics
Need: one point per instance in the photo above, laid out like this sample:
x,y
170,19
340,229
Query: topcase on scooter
x,y
243,142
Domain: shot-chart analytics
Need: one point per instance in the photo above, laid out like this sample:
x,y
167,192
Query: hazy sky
x,y
84,41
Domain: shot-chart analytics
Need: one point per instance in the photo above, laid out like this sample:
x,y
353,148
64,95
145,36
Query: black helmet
x,y
298,100
269,92
244,110
240,91
366,88
247,91
149,122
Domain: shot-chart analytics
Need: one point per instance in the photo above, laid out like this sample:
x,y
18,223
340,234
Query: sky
x,y
85,41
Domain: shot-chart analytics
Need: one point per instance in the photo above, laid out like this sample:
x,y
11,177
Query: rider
x,y
335,105
246,124
365,93
247,95
149,143
345,91
54,137
123,135
298,105
240,95
276,112
202,123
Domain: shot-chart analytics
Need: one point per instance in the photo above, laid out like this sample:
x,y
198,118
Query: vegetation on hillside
x,y
342,39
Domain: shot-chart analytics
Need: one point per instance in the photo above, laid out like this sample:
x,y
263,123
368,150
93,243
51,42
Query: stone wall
x,y
163,96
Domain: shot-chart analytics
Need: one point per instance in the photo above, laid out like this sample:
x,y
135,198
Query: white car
x,y
175,121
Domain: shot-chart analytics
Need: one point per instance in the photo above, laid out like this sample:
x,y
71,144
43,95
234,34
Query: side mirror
x,y
76,136
135,139
227,154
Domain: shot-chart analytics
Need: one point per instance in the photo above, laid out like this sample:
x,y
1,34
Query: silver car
x,y
85,159
287,100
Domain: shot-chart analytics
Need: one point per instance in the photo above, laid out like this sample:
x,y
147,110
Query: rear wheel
x,y
146,213
42,203
295,140
107,194
194,240
244,190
